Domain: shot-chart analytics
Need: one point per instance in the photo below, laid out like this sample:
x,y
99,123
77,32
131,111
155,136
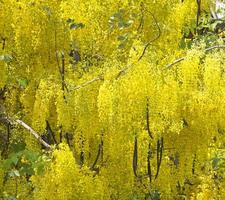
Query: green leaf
x,y
39,167
17,147
14,160
26,170
23,83
213,25
31,156
10,162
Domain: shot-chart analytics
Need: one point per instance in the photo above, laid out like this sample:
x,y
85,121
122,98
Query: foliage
x,y
92,78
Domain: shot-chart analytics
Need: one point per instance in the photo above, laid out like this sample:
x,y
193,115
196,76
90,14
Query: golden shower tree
x,y
111,100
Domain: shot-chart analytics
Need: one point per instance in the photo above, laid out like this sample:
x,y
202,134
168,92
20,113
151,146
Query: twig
x,y
156,38
144,50
142,18
175,62
36,135
206,50
198,12
215,47
87,83
61,70
122,71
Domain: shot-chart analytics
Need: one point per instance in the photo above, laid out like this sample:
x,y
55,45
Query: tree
x,y
121,102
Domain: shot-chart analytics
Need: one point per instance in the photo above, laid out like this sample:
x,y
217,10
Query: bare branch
x,y
86,83
153,40
175,62
36,135
206,50
198,12
215,47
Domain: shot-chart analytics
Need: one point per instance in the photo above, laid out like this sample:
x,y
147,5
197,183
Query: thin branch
x,y
144,50
87,83
61,70
153,40
198,12
206,50
215,47
175,62
122,71
36,135
140,27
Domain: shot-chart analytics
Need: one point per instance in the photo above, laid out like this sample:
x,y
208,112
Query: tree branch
x,y
35,134
206,50
153,40
86,83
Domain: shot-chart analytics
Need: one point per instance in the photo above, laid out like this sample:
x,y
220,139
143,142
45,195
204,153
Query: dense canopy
x,y
120,100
